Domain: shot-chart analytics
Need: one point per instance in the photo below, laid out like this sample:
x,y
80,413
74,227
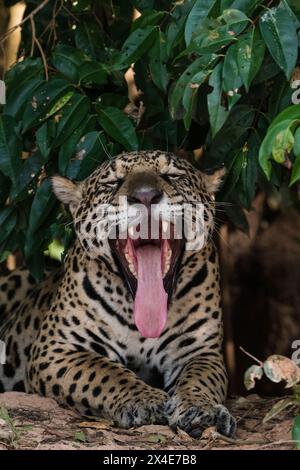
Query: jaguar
x,y
130,329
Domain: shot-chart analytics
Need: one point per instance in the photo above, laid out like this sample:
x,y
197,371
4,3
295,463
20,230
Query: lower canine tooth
x,y
166,268
165,226
131,267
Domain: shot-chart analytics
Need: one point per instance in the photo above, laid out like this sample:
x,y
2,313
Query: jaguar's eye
x,y
113,183
175,177
170,177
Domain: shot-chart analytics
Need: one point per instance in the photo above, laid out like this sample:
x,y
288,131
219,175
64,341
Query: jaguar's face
x,y
138,211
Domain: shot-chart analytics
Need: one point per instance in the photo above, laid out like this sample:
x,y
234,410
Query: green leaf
x,y
5,185
280,34
268,70
42,140
157,63
289,118
203,63
43,202
8,220
135,46
198,13
149,18
236,19
217,112
68,60
79,436
233,174
89,153
246,186
143,5
118,126
294,4
246,6
28,69
47,100
282,145
70,116
17,101
92,73
68,148
60,103
35,262
278,140
230,137
280,98
296,148
30,170
296,431
10,149
190,94
250,55
295,176
231,78
290,113
88,38
265,151
113,99
211,40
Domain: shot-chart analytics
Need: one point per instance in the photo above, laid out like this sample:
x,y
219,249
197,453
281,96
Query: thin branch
x,y
278,443
3,51
28,17
231,440
33,36
43,58
250,355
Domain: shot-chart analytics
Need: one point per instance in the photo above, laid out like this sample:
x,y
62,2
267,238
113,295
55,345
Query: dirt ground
x,y
33,422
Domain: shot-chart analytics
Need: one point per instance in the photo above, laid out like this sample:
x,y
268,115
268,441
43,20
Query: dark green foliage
x,y
215,74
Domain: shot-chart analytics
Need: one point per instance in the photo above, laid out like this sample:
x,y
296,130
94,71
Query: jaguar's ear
x,y
213,182
67,191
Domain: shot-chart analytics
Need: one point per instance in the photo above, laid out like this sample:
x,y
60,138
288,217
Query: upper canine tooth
x,y
131,231
165,226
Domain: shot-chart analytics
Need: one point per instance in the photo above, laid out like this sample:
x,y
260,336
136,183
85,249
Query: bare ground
x,y
33,422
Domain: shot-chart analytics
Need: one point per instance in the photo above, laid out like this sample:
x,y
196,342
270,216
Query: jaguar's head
x,y
140,211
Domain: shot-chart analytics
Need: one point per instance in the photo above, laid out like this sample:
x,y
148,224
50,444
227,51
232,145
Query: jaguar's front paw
x,y
148,408
194,419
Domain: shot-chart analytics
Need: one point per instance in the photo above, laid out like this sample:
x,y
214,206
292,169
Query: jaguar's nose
x,y
146,197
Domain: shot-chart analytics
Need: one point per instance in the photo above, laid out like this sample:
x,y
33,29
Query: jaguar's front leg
x,y
94,385
198,397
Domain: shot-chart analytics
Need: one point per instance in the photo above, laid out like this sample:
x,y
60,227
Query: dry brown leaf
x,y
253,373
209,433
279,368
156,438
101,424
278,408
184,436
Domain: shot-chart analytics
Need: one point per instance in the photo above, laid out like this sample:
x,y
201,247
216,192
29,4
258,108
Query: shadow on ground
x,y
33,422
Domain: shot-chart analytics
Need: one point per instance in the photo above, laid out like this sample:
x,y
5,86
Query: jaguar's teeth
x,y
130,264
166,268
165,226
131,231
167,261
132,269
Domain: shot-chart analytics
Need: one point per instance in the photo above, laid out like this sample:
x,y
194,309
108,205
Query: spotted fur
x,y
73,337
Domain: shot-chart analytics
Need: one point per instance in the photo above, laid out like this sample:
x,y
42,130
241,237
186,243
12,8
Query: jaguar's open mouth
x,y
150,268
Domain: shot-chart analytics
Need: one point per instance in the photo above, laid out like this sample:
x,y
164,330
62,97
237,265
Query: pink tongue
x,y
150,305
